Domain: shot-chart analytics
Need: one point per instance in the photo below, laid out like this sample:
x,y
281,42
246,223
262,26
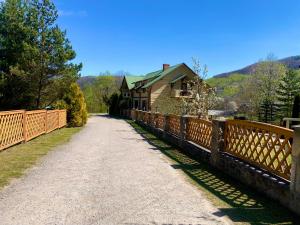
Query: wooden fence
x,y
263,145
199,131
20,125
174,125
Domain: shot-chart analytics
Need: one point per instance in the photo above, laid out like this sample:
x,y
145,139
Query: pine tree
x,y
35,54
267,111
289,87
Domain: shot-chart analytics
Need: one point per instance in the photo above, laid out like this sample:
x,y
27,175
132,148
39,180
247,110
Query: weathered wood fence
x,y
21,126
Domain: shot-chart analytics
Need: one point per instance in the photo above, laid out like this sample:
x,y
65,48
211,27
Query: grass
x,y
235,200
15,160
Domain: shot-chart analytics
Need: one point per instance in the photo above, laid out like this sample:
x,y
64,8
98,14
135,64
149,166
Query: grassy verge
x,y
15,160
240,203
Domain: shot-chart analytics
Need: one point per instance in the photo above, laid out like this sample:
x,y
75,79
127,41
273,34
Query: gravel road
x,y
107,174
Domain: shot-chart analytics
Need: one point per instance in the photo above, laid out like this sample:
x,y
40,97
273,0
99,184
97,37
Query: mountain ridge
x,y
292,62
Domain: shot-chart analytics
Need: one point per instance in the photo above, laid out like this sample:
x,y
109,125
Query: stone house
x,y
158,91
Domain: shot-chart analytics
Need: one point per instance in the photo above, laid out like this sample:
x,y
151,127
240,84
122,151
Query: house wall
x,y
161,92
140,96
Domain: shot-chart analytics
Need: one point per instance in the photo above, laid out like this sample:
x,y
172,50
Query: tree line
x,y
36,69
99,93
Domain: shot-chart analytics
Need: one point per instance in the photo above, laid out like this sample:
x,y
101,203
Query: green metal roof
x,y
152,77
131,79
178,78
160,74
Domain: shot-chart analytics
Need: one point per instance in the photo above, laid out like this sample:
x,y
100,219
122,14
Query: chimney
x,y
165,66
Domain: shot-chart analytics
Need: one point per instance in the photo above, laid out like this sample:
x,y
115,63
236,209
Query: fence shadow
x,y
237,201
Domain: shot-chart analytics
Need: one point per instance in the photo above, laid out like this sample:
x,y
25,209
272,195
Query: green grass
x,y
15,160
235,200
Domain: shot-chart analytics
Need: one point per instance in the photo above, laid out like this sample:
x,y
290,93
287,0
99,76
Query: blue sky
x,y
138,36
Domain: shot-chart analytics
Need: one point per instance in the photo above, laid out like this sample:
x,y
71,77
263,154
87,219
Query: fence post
x,y
182,135
217,142
58,117
166,122
24,126
46,121
295,172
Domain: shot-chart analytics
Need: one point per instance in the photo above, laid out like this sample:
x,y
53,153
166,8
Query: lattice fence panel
x,y
139,115
147,117
199,131
174,124
152,120
160,120
62,118
35,124
11,128
52,120
266,146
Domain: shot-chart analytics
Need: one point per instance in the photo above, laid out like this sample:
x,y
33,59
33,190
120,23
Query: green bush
x,y
76,106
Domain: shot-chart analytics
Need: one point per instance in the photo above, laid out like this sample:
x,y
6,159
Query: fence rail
x,y
263,145
20,125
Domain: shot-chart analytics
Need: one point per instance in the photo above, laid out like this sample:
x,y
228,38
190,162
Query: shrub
x,y
76,106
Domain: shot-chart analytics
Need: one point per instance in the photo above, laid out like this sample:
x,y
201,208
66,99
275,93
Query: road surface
x,y
107,174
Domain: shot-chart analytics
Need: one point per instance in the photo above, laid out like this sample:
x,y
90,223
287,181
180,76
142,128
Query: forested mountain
x,y
292,62
88,80
230,84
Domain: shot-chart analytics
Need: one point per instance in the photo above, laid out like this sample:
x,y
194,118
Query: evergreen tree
x,y
13,41
35,54
76,106
267,111
289,87
296,107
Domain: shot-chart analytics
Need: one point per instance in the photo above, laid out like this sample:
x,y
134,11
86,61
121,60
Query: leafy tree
x,y
98,94
35,54
289,87
76,106
114,104
203,96
262,86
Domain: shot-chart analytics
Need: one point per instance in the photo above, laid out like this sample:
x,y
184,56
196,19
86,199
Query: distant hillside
x,y
292,62
86,80
228,86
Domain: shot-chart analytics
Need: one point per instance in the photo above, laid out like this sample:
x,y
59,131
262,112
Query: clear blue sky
x,y
138,36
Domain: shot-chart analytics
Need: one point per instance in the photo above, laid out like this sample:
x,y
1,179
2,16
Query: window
x,y
144,105
136,104
184,86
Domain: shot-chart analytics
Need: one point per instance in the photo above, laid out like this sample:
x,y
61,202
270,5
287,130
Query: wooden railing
x,y
174,125
20,125
160,120
266,146
263,145
199,131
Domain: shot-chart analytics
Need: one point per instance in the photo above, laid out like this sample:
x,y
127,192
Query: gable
x,y
171,71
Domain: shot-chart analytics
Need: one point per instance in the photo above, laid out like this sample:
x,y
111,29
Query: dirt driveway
x,y
107,174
